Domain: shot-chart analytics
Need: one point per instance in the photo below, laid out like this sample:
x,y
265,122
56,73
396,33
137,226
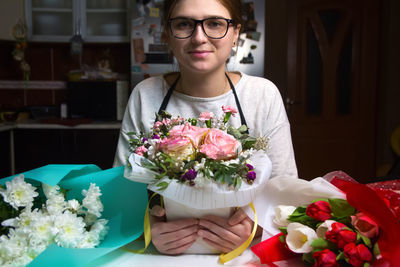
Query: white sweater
x,y
259,98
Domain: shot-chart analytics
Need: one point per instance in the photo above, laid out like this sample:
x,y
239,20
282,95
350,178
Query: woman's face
x,y
200,53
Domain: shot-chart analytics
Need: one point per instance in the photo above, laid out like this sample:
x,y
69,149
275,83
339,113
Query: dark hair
x,y
234,7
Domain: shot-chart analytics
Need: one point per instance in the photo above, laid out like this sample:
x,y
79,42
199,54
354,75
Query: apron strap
x,y
171,89
168,95
242,119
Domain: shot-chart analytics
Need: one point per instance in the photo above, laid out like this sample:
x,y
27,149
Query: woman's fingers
x,y
208,235
157,211
179,250
181,241
173,226
237,217
174,237
221,233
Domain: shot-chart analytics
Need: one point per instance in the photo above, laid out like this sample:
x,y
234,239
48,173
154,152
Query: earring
x,y
234,43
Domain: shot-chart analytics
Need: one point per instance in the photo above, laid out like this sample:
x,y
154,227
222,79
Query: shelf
x,y
103,10
52,10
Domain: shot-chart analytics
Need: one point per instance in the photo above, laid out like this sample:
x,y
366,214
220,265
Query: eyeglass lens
x,y
213,27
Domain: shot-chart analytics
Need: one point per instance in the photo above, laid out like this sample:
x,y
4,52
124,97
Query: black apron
x,y
171,89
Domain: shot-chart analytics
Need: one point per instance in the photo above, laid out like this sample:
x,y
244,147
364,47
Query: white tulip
x,y
282,212
299,237
324,227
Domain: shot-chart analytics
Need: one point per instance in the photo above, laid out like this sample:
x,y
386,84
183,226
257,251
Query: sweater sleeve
x,y
128,125
280,147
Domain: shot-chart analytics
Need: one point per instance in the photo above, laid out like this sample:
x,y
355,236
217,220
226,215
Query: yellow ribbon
x,y
146,229
239,250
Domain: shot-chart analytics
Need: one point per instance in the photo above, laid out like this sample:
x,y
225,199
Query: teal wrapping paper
x,y
124,207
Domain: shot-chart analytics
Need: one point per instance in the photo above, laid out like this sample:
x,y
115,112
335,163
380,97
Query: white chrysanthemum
x,y
70,229
13,246
56,205
19,193
95,235
300,237
51,191
24,221
74,205
23,260
282,212
42,230
92,200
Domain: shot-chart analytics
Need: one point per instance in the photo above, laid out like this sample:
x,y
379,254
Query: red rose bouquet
x,y
361,230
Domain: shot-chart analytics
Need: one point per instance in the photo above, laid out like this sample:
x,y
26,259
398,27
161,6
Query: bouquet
x,y
361,230
33,218
195,151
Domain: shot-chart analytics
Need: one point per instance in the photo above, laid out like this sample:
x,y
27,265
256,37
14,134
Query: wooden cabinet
x,y
95,20
5,154
38,147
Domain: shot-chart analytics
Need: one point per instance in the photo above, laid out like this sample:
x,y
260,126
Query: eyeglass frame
x,y
201,22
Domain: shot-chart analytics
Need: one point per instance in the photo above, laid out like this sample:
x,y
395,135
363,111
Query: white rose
x,y
324,227
282,212
299,237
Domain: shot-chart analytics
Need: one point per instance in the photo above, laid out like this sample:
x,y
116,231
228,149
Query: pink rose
x,y
219,145
177,147
141,150
194,133
157,124
365,225
205,116
230,109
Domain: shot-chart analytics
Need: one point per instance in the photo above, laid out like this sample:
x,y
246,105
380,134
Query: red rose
x,y
357,254
325,258
340,235
319,210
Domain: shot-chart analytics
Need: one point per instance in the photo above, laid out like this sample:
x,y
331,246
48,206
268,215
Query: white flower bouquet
x,y
60,214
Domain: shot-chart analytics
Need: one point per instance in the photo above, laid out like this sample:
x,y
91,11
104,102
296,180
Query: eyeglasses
x,y
215,28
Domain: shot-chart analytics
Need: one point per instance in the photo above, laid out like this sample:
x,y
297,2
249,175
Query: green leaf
x,y
366,240
319,243
282,238
307,257
283,230
243,128
366,264
376,250
162,186
341,208
340,256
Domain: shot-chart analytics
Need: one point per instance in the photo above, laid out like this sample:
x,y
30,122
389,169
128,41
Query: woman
x,y
201,34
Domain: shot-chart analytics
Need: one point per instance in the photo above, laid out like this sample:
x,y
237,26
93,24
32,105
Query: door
x,y
332,84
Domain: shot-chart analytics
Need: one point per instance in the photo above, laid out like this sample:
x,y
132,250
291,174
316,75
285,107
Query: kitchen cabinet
x,y
38,147
94,20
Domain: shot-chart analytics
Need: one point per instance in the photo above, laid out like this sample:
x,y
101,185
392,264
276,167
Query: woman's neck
x,y
203,85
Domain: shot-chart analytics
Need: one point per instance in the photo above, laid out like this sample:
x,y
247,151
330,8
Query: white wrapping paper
x,y
288,191
208,195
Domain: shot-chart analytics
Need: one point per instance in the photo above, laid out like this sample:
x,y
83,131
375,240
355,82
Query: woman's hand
x,y
173,237
223,234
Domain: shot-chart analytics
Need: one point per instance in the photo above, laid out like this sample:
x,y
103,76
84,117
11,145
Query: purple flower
x,y
249,166
144,139
156,136
189,175
251,175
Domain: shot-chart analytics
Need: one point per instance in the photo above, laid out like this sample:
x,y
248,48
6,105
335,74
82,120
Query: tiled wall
x,y
51,62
